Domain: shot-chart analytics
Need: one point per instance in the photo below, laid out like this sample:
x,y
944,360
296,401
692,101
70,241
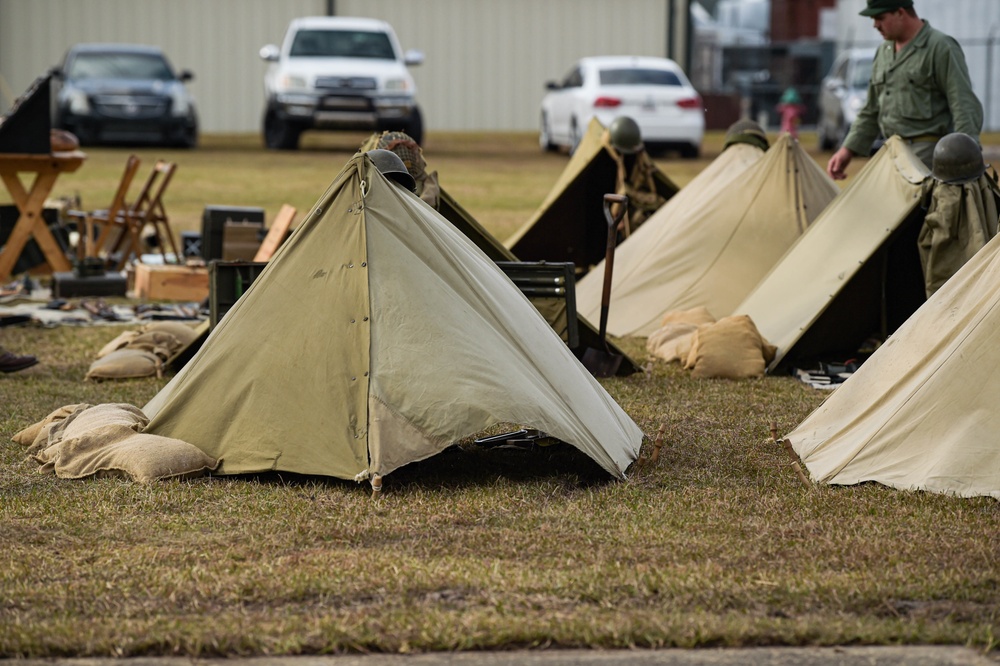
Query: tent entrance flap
x,y
883,294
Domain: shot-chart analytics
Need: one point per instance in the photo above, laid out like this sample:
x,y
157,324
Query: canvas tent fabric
x,y
554,312
920,414
570,224
711,243
855,273
378,335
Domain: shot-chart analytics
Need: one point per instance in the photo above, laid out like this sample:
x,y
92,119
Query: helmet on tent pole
x,y
392,167
958,159
746,131
625,135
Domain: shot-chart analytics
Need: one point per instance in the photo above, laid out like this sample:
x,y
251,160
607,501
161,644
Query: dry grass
x,y
716,545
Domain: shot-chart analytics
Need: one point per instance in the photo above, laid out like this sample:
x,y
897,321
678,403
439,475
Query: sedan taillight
x,y
607,102
689,103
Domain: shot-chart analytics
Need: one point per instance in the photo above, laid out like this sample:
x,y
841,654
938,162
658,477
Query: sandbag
x,y
672,342
731,348
104,440
36,436
126,364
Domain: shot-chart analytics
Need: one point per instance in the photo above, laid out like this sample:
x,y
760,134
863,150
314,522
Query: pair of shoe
x,y
12,363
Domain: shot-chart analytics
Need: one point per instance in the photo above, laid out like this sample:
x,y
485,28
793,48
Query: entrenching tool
x,y
604,363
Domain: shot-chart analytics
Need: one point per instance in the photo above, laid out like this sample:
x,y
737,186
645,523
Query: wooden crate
x,y
171,283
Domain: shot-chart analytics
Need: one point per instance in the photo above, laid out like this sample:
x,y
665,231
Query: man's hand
x,y
837,166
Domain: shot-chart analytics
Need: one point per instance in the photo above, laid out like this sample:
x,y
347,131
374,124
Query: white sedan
x,y
653,91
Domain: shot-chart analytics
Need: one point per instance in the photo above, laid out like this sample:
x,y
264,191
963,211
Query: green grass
x,y
718,544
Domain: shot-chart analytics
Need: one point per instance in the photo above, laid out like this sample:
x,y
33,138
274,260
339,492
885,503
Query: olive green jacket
x,y
922,90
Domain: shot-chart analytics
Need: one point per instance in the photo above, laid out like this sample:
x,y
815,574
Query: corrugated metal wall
x,y
486,61
216,39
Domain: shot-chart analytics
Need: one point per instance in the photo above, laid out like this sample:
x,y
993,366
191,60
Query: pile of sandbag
x,y
78,441
141,352
730,348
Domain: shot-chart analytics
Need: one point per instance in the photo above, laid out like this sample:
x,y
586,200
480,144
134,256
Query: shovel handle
x,y
609,199
609,257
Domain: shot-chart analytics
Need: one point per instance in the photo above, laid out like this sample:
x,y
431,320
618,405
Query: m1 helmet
x,y
746,131
392,167
958,159
625,135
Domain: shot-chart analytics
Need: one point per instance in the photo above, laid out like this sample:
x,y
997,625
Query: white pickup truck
x,y
338,73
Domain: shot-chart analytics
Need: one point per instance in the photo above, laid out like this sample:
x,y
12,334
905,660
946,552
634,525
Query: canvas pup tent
x,y
378,335
712,242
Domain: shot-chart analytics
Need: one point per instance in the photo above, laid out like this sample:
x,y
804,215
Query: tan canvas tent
x,y
555,310
570,224
378,335
710,244
921,413
855,274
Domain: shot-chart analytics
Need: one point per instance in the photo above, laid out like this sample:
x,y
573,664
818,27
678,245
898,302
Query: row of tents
x,y
379,335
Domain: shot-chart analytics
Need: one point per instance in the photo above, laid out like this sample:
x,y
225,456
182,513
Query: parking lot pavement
x,y
827,656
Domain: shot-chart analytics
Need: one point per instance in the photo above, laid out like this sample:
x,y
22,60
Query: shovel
x,y
604,363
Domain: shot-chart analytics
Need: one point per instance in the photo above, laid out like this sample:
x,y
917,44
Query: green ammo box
x,y
227,280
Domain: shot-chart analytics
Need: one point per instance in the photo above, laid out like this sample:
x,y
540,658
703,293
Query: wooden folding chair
x,y
148,209
107,219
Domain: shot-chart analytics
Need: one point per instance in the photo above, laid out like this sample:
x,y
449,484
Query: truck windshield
x,y
342,44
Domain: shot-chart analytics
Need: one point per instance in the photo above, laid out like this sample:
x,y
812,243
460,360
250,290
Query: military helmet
x,y
392,167
958,159
625,135
408,150
746,131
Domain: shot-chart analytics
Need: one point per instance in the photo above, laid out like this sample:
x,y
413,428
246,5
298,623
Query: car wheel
x,y
575,137
824,139
414,127
280,134
545,136
690,152
188,137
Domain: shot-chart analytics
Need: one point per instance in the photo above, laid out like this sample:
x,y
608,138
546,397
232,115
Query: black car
x,y
124,94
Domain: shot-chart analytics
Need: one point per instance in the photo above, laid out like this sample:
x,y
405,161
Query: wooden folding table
x,y
30,202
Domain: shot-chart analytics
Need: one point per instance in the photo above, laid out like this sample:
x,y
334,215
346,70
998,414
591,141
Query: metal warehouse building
x,y
486,64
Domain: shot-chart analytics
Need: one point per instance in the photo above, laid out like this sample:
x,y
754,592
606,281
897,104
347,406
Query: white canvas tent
x,y
377,336
712,242
921,413
855,273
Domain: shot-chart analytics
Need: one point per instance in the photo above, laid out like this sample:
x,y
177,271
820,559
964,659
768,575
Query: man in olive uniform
x,y
919,90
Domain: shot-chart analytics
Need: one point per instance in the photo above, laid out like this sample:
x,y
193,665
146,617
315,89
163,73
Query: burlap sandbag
x,y
163,338
120,342
184,333
103,440
731,348
672,342
126,364
36,436
697,316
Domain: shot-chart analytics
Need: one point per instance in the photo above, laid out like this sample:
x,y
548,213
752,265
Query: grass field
x,y
718,544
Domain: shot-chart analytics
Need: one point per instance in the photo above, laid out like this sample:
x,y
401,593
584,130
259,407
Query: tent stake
x,y
785,444
658,443
376,486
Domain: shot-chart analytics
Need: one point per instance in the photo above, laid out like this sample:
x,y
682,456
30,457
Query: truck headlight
x,y
396,85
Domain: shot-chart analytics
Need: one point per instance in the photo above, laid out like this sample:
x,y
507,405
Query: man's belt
x,y
923,138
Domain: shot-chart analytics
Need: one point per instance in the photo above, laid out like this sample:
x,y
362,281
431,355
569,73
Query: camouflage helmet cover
x,y
408,150
958,159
